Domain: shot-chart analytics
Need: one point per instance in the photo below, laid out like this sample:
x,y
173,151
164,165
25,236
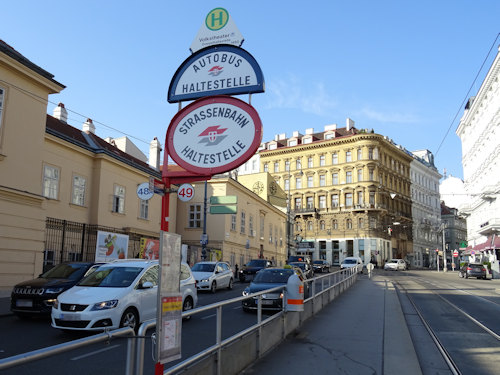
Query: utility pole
x,y
204,239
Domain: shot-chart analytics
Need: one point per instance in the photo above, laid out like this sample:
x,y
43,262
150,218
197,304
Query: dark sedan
x,y
35,297
267,279
249,270
306,268
321,265
473,270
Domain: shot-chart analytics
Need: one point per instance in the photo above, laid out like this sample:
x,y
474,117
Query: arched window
x,y
348,224
322,225
335,224
309,225
360,223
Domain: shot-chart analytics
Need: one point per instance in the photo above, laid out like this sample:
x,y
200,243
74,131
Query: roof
x,y
11,52
95,144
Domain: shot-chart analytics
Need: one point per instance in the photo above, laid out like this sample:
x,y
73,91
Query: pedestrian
x,y
236,269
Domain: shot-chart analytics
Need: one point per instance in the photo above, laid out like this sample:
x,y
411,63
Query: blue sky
x,y
402,68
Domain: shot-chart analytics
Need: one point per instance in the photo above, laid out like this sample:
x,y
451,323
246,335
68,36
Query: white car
x,y
395,265
117,294
213,275
350,262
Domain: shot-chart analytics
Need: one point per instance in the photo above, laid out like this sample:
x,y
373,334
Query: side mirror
x,y
147,285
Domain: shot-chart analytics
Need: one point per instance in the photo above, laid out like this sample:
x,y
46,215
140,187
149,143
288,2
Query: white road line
x,y
209,316
96,352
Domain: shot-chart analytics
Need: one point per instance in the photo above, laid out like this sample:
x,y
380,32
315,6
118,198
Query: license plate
x,y
24,303
267,302
69,316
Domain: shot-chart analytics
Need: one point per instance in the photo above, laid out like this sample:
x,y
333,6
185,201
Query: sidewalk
x,y
363,331
5,302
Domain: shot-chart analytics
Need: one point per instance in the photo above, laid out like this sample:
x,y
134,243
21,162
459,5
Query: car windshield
x,y
392,261
66,271
203,267
257,263
318,262
349,261
273,276
112,277
296,258
302,266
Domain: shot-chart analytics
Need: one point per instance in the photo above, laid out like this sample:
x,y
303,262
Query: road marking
x,y
96,352
209,316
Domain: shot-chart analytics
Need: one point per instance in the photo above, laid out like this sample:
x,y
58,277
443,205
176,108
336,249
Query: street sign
x,y
216,70
144,192
218,28
185,192
214,135
227,209
455,254
227,199
204,239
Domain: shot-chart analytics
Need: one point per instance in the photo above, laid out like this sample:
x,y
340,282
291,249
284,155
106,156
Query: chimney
x,y
60,113
349,124
154,154
88,126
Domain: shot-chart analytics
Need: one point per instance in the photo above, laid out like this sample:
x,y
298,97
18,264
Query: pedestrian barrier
x,y
233,354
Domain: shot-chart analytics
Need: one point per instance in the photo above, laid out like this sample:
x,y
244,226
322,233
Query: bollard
x,y
295,293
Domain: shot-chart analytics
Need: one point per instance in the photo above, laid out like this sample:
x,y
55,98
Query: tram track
x,y
455,355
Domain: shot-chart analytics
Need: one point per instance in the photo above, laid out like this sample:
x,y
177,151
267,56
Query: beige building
x,y
349,191
59,185
255,230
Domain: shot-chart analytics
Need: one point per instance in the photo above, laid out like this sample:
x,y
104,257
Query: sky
x,y
402,68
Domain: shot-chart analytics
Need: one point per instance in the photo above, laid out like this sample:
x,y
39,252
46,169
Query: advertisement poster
x,y
110,246
150,249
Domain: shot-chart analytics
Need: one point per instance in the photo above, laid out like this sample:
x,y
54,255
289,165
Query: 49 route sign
x,y
214,135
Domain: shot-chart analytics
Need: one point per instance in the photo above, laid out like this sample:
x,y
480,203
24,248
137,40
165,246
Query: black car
x,y
473,270
249,270
35,297
267,279
306,268
321,265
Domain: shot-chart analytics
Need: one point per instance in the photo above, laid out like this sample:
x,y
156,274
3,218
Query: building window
x,y
360,154
307,140
348,156
309,162
348,177
335,224
348,199
298,183
370,174
276,167
335,200
194,216
233,222
310,226
78,194
287,165
270,233
322,225
373,223
243,222
348,224
292,142
266,167
322,201
335,179
298,164
322,180
370,153
309,202
143,209
119,199
250,226
360,223
273,146
298,203
335,158
254,165
50,182
322,160
310,182
261,227
360,175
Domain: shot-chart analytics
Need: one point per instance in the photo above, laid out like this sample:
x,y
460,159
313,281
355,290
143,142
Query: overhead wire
x,y
467,94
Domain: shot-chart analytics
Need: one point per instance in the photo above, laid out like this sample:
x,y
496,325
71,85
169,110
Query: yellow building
x,y
59,185
349,191
255,230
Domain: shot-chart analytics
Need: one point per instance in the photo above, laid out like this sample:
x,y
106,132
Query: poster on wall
x,y
110,246
150,249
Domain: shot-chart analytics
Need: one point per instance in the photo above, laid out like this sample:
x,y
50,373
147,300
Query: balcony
x,y
305,211
490,226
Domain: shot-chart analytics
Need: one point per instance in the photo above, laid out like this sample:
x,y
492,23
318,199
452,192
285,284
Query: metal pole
x,y
204,241
288,229
444,252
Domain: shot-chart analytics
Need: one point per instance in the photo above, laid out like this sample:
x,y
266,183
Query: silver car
x,y
213,275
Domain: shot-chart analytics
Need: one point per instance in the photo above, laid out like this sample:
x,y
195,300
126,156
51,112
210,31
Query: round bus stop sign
x,y
214,135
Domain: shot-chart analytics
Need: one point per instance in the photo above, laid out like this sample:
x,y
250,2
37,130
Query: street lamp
x,y
288,221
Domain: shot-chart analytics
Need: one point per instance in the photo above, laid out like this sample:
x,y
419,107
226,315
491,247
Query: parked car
x,y
473,270
321,265
350,262
36,297
213,275
306,268
266,279
117,294
248,271
395,265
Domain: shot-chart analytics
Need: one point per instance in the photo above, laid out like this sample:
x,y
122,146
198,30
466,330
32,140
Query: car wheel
x,y
187,305
230,285
466,276
130,318
213,287
247,310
